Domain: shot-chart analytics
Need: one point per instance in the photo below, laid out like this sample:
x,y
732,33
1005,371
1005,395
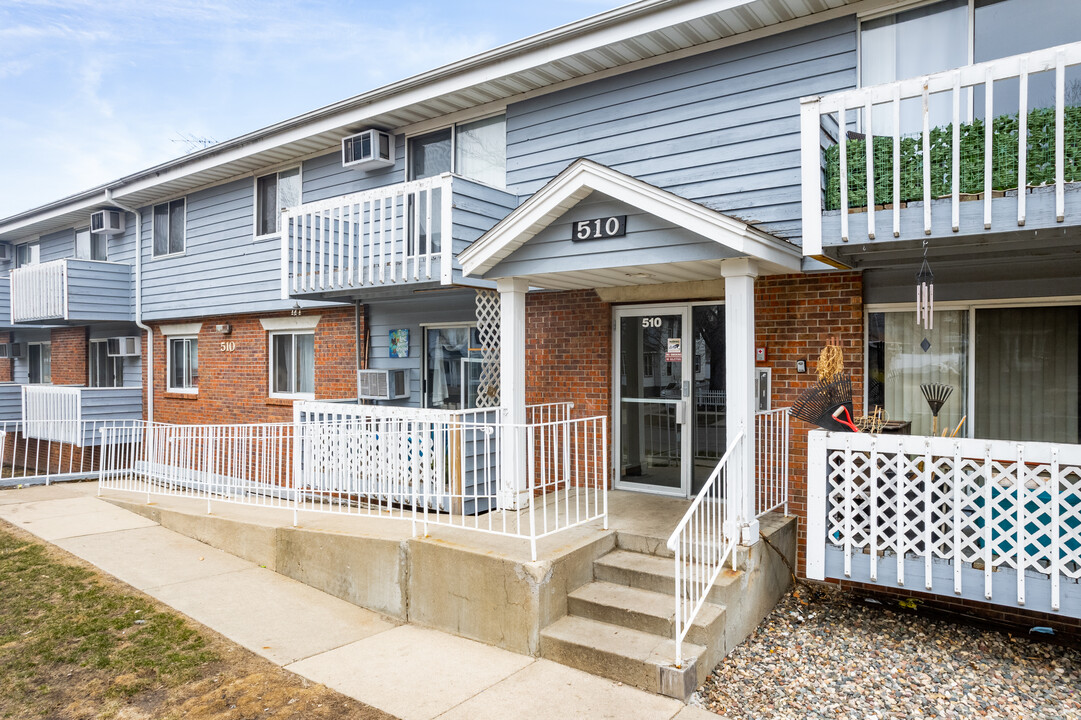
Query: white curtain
x,y
907,366
1027,374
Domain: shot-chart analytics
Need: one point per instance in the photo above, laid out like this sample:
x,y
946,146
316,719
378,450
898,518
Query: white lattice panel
x,y
488,332
982,503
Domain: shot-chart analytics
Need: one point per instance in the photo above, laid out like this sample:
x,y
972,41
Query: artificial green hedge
x,y
1040,161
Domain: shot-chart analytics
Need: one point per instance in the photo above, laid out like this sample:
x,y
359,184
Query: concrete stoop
x,y
621,625
597,600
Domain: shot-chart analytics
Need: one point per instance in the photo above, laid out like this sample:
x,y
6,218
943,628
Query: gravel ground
x,y
824,653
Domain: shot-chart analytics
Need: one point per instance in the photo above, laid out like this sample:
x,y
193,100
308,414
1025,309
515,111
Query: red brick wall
x,y
7,366
69,355
569,350
795,316
234,385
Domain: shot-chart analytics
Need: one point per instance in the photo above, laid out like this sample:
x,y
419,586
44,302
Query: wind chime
x,y
925,295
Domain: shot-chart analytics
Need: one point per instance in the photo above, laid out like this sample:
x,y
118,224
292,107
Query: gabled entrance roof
x,y
718,236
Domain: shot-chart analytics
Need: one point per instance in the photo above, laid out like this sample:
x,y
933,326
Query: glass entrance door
x,y
653,390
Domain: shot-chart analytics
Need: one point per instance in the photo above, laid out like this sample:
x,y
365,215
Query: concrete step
x,y
619,653
657,574
643,610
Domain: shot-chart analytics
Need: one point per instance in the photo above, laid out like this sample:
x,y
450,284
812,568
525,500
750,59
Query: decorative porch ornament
x,y
925,296
936,395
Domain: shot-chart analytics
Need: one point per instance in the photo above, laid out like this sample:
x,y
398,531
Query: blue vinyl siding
x,y
99,291
410,312
648,240
720,128
324,177
477,208
11,403
223,269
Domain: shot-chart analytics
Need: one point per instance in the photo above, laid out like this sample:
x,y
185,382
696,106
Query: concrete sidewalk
x,y
409,671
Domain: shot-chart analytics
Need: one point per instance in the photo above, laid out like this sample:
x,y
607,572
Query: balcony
x,y
74,414
71,291
400,236
1019,172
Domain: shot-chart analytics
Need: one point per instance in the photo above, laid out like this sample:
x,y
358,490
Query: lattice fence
x,y
488,330
980,504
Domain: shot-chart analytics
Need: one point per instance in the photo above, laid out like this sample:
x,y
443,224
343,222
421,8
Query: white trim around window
x,y
281,203
189,373
291,365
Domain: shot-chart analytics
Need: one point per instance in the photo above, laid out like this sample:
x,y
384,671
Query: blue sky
x,y
91,90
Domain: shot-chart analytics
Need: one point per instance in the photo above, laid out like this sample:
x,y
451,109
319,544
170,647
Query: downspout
x,y
139,301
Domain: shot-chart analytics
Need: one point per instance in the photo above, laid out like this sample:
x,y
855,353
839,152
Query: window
x,y
476,150
274,193
447,352
169,228
292,365
27,254
649,359
1016,371
89,246
183,363
105,371
943,35
40,359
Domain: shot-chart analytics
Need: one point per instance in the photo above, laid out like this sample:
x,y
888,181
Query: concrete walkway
x,y
409,671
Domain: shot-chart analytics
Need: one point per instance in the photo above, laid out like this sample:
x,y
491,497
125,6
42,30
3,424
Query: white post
x,y
739,278
512,292
816,505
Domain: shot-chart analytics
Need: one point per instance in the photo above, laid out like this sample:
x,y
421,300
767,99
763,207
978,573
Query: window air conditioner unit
x,y
16,350
368,150
382,384
107,222
7,252
123,347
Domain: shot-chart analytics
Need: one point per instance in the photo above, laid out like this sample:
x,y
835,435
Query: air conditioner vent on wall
x,y
382,384
123,347
368,150
107,222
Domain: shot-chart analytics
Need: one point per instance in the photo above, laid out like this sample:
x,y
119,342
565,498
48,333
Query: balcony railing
x,y
400,234
72,290
71,414
1015,161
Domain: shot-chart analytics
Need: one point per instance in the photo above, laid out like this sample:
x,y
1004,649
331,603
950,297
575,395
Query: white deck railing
x,y
834,114
429,467
52,412
39,292
771,446
702,542
947,510
390,235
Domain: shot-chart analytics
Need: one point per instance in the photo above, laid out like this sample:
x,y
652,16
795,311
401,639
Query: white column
x,y
739,278
512,292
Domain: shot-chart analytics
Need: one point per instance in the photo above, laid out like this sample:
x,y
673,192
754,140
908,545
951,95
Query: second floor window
x,y
274,193
105,371
169,228
40,359
183,364
89,246
476,150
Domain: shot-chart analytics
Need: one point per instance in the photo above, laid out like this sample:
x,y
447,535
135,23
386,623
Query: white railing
x,y
771,447
425,466
52,413
950,512
396,234
702,542
39,292
246,464
830,116
68,450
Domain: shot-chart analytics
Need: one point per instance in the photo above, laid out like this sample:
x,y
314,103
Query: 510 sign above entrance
x,y
597,228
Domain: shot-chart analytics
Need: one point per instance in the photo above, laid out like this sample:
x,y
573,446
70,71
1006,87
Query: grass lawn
x,y
75,643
